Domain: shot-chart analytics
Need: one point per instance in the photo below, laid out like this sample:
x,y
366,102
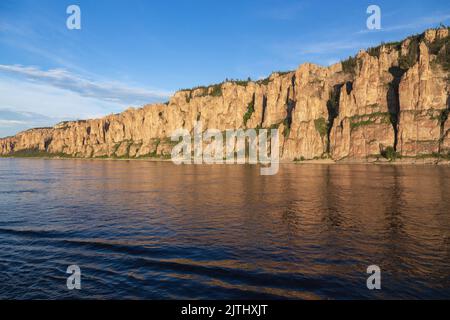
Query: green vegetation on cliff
x,y
376,51
321,126
369,119
249,112
441,48
390,153
35,153
411,57
349,65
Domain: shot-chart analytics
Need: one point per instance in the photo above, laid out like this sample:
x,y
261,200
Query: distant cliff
x,y
388,101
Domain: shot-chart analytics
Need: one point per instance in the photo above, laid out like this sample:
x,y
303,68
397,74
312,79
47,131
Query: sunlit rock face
x,y
424,100
392,97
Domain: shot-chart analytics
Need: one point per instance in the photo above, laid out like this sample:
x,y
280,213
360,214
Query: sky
x,y
134,52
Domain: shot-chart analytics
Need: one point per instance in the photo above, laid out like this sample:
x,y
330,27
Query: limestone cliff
x,y
391,101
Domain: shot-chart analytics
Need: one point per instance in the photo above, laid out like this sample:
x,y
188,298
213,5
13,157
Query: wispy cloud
x,y
14,116
321,52
13,121
29,104
330,46
24,37
108,91
53,102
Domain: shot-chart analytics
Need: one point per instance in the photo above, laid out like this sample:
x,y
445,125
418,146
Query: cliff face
x,y
393,99
363,124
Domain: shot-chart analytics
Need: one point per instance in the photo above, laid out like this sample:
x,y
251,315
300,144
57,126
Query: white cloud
x,y
10,123
25,105
13,121
108,91
51,101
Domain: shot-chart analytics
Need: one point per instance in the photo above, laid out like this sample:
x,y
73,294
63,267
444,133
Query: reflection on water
x,y
155,230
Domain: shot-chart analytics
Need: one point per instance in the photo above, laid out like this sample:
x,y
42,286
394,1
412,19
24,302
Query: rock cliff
x,y
388,101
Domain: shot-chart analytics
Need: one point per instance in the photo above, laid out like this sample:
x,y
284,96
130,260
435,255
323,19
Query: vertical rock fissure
x,y
393,100
290,106
293,85
264,106
250,110
106,128
443,119
47,143
333,109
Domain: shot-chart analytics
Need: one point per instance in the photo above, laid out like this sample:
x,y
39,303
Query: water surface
x,y
153,230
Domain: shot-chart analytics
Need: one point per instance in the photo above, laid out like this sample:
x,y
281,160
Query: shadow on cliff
x,y
333,107
443,118
393,99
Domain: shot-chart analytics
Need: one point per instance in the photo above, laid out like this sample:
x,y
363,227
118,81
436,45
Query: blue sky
x,y
132,52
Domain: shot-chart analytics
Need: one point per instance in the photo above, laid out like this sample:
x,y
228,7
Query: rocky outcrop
x,y
388,100
363,126
424,98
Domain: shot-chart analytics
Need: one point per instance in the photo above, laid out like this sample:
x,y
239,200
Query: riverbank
x,y
424,160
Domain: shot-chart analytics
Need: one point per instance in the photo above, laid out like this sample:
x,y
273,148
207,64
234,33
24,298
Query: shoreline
x,y
404,161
